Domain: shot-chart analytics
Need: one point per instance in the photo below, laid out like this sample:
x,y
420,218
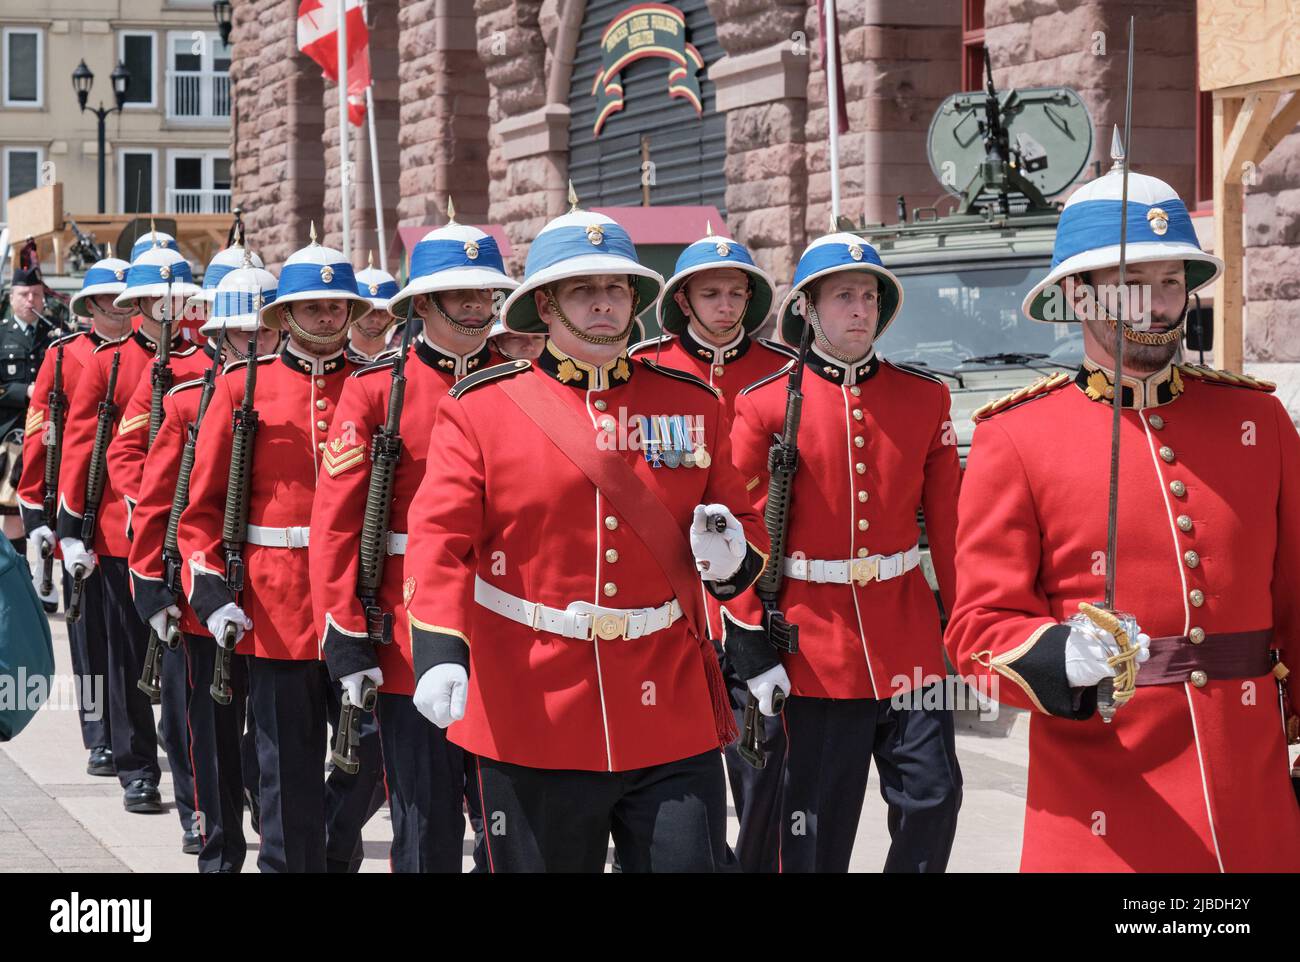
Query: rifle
x,y
105,418
160,375
171,554
57,403
234,525
782,463
348,734
84,251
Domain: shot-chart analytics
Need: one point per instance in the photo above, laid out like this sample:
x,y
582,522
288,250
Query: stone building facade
x,y
478,98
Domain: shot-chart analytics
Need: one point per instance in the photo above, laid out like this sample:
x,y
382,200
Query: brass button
x,y
857,414
1199,678
862,552
1197,635
860,468
1178,488
1184,523
1156,421
320,382
1192,559
1197,597
859,441
323,425
321,445
1167,454
611,555
611,589
607,424
855,391
862,496
322,404
600,405
863,525
719,370
611,522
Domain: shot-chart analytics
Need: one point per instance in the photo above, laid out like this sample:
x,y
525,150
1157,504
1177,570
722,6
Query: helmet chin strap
x,y
462,329
316,340
569,326
695,315
1148,338
823,341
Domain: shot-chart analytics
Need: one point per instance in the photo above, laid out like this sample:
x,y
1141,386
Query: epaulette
x,y
680,376
187,351
236,364
185,385
67,338
380,365
508,369
915,372
779,372
777,346
650,342
108,344
1202,373
1040,388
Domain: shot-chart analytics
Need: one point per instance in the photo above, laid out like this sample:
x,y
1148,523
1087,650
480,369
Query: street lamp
x,y
221,10
82,80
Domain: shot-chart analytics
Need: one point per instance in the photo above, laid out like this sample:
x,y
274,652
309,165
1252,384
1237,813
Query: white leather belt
x,y
278,537
877,567
397,542
580,619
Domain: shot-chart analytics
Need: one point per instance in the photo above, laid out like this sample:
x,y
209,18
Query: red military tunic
x,y
77,349
503,504
875,444
160,472
127,452
137,351
1188,777
341,501
295,399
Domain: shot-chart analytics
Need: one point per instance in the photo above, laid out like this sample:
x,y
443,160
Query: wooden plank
x,y
1283,122
35,212
1243,143
1228,244
1246,41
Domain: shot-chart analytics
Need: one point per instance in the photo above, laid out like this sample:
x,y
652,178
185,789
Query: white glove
x,y
229,613
352,683
764,686
75,553
158,620
441,692
41,535
717,554
1088,647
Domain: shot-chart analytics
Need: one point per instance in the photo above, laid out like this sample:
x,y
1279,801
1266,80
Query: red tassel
x,y
723,718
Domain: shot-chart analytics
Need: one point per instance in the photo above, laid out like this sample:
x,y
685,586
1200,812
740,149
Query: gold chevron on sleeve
x,y
35,418
130,424
339,458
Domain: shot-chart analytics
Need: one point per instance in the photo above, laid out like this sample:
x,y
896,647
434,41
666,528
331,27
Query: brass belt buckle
x,y
609,627
865,570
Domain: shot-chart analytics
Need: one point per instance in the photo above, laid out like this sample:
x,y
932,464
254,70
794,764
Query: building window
x,y
22,172
24,67
136,50
972,45
135,181
198,78
198,182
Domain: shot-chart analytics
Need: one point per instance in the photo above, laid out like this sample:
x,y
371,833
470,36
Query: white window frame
x,y
125,190
40,68
206,69
36,149
121,56
207,156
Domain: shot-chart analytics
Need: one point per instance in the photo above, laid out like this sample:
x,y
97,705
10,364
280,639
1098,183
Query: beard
x,y
1138,357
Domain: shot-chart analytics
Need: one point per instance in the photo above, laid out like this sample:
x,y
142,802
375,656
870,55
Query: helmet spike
x,y
573,198
451,210
311,233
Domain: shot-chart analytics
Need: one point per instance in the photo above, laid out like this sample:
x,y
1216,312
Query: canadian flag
x,y
318,28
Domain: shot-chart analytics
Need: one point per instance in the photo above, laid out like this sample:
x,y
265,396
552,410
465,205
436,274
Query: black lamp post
x,y
82,80
224,15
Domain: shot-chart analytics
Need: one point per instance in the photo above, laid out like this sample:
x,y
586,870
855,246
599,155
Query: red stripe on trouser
x,y
780,818
189,747
482,801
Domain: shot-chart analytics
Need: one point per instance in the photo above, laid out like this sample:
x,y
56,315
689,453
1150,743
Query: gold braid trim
x,y
1042,386
1202,373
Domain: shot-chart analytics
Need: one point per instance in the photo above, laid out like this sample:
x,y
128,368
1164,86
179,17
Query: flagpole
x,y
833,103
343,129
374,162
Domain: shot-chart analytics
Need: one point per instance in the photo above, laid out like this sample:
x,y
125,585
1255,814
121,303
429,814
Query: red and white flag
x,y
318,28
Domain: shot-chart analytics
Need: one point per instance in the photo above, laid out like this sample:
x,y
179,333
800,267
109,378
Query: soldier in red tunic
x,y
290,694
710,308
455,272
102,283
156,274
875,445
553,577
1192,772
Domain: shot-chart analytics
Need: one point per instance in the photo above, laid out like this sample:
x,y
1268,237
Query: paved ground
x,y
55,817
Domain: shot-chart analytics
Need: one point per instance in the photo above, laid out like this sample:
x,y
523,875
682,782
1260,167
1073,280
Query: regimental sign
x,y
641,31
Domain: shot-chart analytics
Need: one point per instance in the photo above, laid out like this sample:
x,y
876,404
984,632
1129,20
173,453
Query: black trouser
x,y
290,703
215,732
830,744
474,808
350,800
756,792
134,734
426,789
174,680
88,645
665,818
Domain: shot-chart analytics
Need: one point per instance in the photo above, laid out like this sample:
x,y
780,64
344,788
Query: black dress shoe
x,y
51,607
191,844
141,797
101,761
